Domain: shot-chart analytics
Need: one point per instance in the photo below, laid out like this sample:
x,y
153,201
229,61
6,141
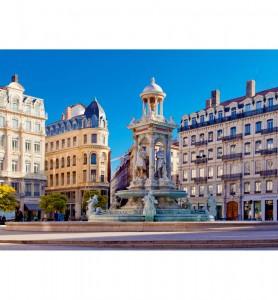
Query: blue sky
x,y
117,77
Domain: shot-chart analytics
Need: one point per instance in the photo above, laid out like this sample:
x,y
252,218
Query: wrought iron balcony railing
x,y
269,130
266,173
231,176
232,137
232,156
268,151
201,160
200,179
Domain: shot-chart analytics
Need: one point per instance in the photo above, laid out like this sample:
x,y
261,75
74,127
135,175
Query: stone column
x,y
151,160
161,108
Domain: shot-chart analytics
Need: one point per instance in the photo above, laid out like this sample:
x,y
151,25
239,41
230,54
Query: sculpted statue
x,y
149,210
161,164
212,206
185,203
92,202
140,164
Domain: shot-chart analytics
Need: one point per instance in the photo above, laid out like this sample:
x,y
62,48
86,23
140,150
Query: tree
x,y
53,202
102,200
8,200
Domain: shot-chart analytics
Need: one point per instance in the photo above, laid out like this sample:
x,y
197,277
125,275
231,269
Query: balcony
x,y
230,118
231,176
201,143
268,151
232,156
268,173
200,179
232,137
269,130
201,160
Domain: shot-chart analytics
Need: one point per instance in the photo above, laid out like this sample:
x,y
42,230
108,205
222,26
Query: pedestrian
x,y
3,220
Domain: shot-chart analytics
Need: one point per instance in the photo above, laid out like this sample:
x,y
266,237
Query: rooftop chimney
x,y
208,103
250,88
15,78
68,113
215,98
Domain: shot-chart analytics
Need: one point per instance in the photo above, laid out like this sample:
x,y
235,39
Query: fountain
x,y
152,196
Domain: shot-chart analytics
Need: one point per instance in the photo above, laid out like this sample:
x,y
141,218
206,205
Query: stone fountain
x,y
152,196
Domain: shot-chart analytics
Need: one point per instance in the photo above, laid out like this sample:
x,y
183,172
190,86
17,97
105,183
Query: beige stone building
x,y
78,155
22,140
229,149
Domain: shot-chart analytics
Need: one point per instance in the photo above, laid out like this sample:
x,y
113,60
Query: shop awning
x,y
34,207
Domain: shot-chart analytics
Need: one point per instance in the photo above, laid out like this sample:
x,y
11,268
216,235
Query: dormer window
x,y
202,119
211,116
247,107
259,105
220,114
233,112
270,102
194,122
186,123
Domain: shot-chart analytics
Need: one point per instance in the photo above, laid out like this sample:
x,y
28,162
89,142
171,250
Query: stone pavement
x,y
224,238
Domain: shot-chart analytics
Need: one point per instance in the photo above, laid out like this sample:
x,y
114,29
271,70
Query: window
x,y
62,162
219,171
202,119
57,163
28,167
232,189
219,189
36,168
210,189
193,173
210,154
45,165
37,127
15,105
37,190
51,145
74,160
247,148
56,179
202,137
37,147
246,187
27,146
84,175
68,142
51,180
258,126
269,144
85,159
210,116
185,175
15,123
201,190
63,143
94,138
232,149
93,175
210,172
68,161
68,177
85,139
219,152
185,158
74,141
15,144
28,189
269,186
258,146
194,122
258,104
270,102
62,178
28,108
1,164
15,185
202,172
233,112
270,124
14,165
258,166
185,123
2,121
210,136
28,125
219,134
247,129
258,186
93,159
74,177
233,131
247,107
269,164
193,191
247,168
2,140
37,109
185,141
220,115
193,139
193,156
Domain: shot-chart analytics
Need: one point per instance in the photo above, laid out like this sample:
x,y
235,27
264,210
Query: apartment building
x,y
22,140
229,149
78,155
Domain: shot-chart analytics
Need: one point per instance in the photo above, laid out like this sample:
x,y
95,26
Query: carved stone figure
x,y
149,210
92,202
185,203
212,206
160,164
141,163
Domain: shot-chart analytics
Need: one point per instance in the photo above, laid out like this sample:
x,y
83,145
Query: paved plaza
x,y
232,237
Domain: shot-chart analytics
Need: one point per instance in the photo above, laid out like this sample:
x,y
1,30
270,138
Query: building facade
x,y
229,149
78,155
22,145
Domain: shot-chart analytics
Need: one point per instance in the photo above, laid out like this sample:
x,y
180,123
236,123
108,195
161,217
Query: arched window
x,y
46,165
93,159
57,163
37,109
68,161
94,121
15,104
51,164
85,159
74,160
62,162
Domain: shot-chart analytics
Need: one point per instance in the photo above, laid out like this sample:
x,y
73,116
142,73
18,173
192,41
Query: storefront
x,y
32,212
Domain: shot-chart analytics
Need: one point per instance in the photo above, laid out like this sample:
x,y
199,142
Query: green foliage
x,y
8,200
102,200
53,202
